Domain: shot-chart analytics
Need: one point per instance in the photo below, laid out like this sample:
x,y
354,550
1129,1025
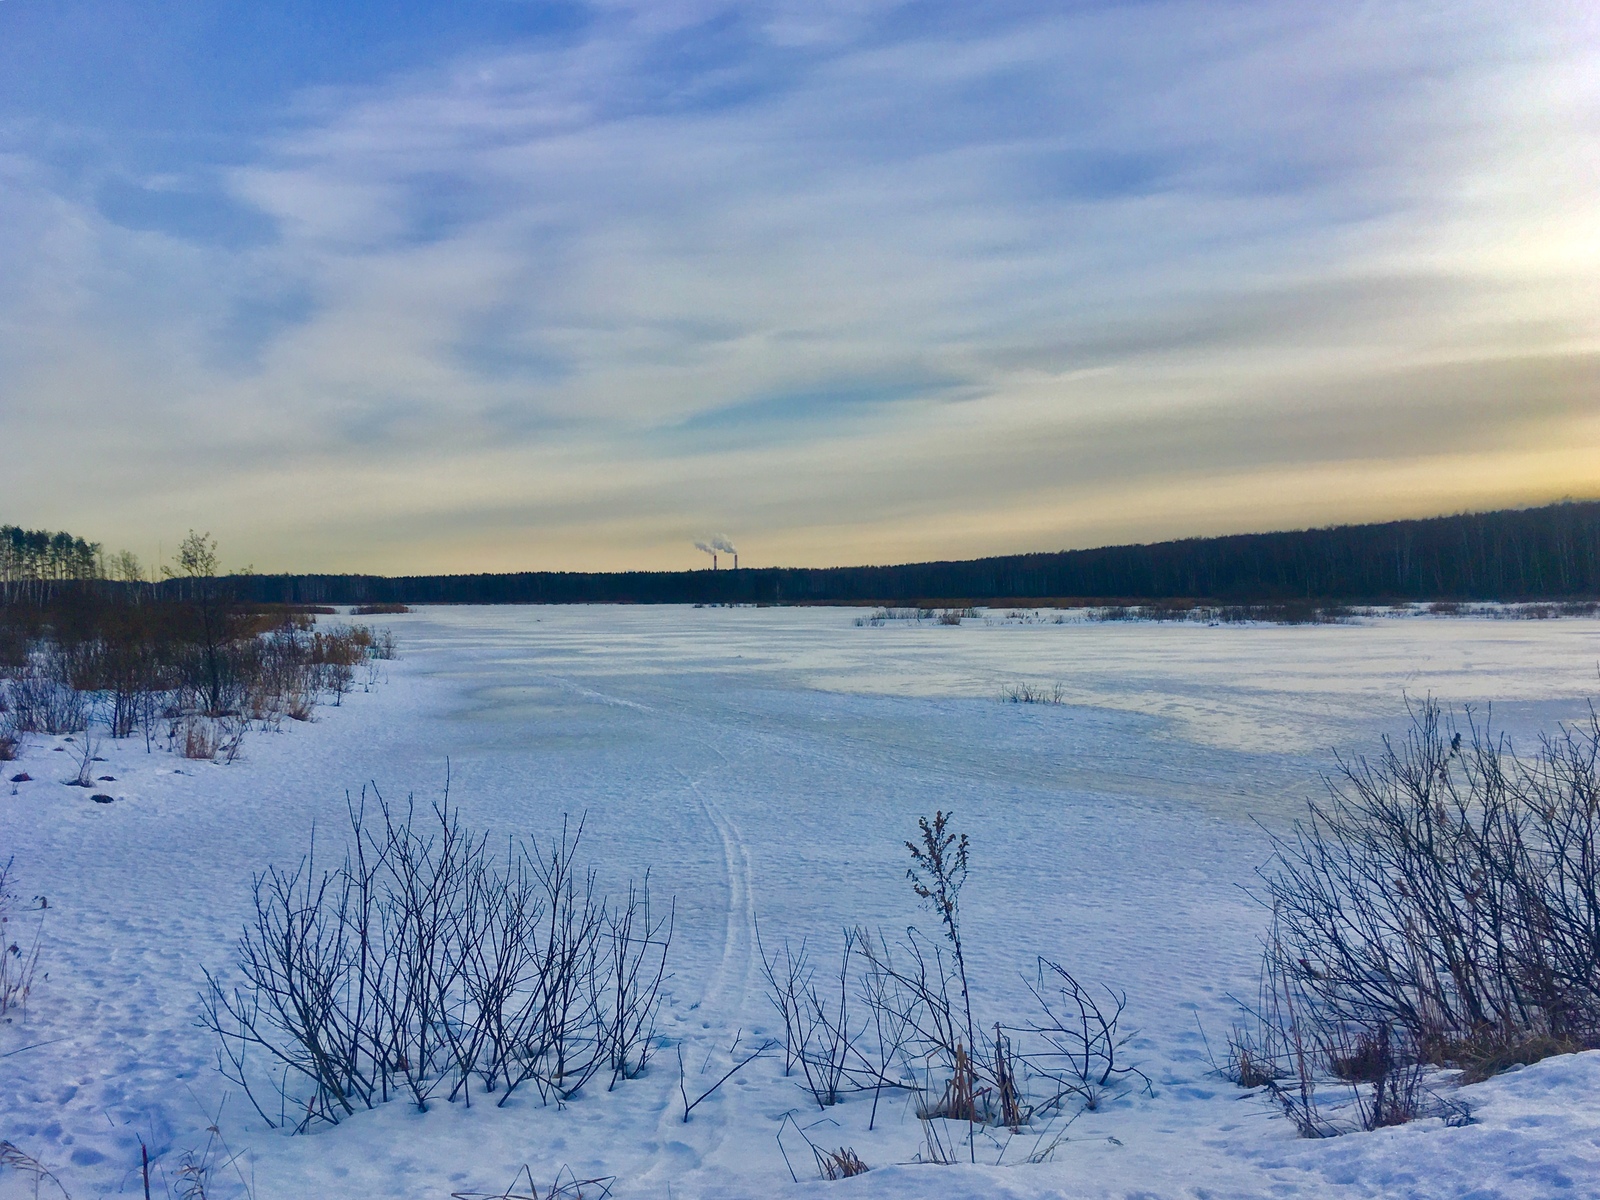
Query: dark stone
x,y
22,777
108,779
102,798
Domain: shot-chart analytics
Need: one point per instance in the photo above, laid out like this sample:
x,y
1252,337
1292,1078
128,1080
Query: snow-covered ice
x,y
767,766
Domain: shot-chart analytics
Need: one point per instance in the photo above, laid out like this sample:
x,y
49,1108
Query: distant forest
x,y
1544,553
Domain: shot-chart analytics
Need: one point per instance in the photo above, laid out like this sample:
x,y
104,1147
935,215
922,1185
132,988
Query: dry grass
x,y
31,1168
843,1163
1363,1057
199,738
1248,1066
299,703
1486,1060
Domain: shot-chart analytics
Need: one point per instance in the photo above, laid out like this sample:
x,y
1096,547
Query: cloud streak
x,y
832,281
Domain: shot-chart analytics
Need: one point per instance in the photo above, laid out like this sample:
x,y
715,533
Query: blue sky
x,y
498,285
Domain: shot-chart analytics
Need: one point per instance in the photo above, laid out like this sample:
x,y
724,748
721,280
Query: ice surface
x,y
767,765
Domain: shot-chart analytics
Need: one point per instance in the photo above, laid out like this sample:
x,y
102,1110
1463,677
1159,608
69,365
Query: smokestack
x,y
716,544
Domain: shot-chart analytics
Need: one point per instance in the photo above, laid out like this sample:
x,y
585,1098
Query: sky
x,y
504,285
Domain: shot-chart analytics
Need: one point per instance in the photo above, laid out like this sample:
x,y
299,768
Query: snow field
x,y
767,766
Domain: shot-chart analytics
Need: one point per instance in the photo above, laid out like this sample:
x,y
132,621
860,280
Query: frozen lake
x,y
766,767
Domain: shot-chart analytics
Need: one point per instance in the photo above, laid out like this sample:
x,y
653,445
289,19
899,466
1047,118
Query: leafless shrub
x,y
880,616
336,678
740,1061
1247,1064
919,1031
638,966
380,609
1081,1036
921,993
424,964
787,972
1294,612
149,709
1394,1079
384,646
837,1050
84,751
1328,1075
19,948
8,745
1029,693
300,702
231,729
1291,1011
134,659
572,1028
565,1186
43,699
1256,1051
1451,891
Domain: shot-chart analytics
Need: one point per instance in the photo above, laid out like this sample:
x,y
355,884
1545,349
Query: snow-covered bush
x,y
42,698
1440,906
9,741
1450,890
425,964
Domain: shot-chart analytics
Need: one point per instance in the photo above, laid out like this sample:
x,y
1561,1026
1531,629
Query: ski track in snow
x,y
772,762
730,983
577,689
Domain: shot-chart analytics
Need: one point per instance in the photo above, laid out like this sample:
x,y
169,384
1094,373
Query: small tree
x,y
196,569
125,566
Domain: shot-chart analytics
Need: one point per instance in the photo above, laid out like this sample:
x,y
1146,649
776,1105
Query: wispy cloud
x,y
836,279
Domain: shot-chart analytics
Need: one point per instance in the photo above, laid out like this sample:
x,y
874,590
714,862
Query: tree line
x,y
1544,553
32,560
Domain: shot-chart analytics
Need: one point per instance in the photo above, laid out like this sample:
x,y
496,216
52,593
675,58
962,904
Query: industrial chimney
x,y
718,544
